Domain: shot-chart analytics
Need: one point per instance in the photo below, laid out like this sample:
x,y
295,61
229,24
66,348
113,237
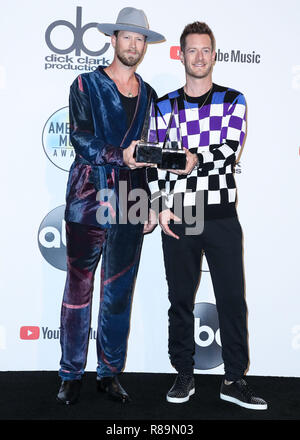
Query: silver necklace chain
x,y
197,108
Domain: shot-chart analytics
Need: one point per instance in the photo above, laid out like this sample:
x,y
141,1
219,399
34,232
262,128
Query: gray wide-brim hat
x,y
133,20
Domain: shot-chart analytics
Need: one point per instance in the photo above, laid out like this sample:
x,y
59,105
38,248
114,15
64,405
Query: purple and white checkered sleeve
x,y
232,136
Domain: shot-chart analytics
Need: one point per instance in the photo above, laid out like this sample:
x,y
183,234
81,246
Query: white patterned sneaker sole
x,y
243,404
181,399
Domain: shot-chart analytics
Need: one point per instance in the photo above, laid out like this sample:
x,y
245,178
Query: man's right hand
x,y
129,160
164,218
191,163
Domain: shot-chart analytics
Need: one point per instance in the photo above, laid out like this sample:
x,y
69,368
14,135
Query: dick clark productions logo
x,y
78,32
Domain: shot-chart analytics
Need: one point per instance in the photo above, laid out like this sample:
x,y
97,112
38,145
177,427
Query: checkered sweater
x,y
215,132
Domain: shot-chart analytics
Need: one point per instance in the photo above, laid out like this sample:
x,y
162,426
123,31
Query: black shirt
x,y
129,105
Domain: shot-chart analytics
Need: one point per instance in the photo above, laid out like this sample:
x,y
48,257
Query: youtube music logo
x,y
29,332
175,52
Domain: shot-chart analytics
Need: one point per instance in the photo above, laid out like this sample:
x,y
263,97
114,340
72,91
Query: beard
x,y
129,60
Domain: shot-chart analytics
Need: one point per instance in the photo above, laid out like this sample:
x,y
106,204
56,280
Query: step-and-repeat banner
x,y
44,46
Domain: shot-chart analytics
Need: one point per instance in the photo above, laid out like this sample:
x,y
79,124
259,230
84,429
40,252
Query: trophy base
x,y
173,160
148,153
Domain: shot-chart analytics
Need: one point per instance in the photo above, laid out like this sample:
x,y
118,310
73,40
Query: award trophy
x,y
147,151
173,155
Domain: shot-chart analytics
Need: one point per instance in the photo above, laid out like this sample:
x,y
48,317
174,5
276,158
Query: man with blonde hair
x,y
107,112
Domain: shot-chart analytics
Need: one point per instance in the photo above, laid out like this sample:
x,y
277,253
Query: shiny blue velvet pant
x,y
120,248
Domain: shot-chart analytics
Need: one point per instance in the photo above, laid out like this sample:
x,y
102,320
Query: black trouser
x,y
221,240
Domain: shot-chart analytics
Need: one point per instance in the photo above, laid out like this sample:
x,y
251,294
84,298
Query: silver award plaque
x,y
147,151
173,154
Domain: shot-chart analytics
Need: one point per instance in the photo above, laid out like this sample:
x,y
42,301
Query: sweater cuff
x,y
200,160
159,204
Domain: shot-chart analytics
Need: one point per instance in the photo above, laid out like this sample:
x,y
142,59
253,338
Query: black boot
x,y
69,391
112,387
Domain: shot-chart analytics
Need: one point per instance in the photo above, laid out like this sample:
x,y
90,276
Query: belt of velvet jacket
x,y
99,173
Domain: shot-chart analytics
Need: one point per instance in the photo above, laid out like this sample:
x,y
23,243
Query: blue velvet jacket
x,y
99,132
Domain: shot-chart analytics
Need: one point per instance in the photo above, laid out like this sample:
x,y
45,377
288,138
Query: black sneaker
x,y
240,393
182,389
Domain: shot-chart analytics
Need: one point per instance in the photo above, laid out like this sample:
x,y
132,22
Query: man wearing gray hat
x,y
107,113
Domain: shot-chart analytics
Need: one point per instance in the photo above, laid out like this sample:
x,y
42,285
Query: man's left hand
x,y
129,160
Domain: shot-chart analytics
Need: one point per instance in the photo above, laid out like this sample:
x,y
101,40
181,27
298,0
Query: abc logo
x,y
208,351
52,240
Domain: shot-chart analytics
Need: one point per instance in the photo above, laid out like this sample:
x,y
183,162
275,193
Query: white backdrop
x,y
34,87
